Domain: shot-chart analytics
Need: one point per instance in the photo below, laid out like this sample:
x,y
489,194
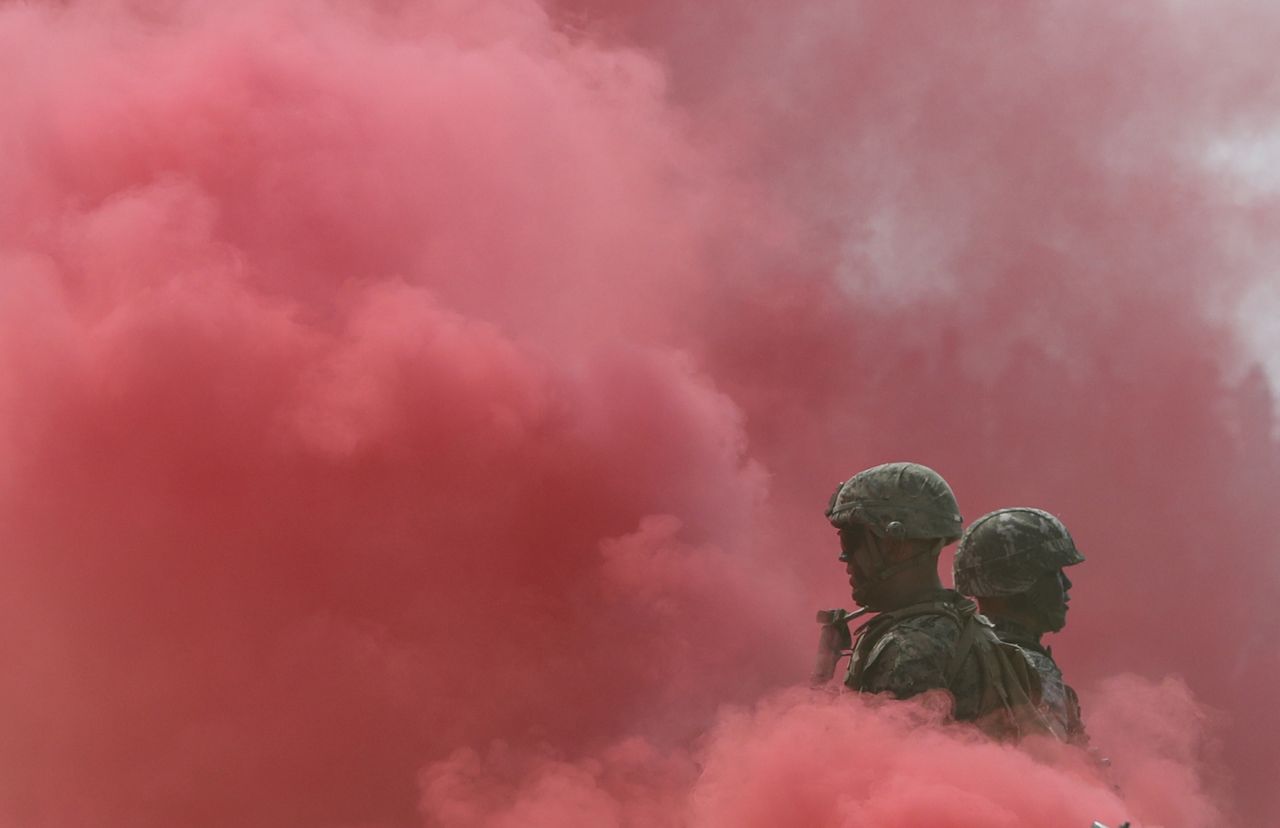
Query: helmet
x,y
1006,551
901,500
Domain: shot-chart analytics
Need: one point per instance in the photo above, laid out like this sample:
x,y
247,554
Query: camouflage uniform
x,y
1058,701
1003,554
939,644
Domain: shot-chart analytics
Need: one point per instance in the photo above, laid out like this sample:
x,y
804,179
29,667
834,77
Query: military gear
x,y
1006,551
1058,702
898,500
945,644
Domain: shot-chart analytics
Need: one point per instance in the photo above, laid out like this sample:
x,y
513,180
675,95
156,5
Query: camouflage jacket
x,y
945,644
1058,701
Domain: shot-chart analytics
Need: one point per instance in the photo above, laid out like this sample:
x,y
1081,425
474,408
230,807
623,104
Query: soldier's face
x,y
856,555
1049,597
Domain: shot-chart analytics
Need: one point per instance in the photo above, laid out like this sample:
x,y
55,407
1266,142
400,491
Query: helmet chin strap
x,y
879,547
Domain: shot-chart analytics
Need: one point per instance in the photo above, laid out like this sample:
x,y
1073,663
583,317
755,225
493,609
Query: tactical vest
x,y
1010,687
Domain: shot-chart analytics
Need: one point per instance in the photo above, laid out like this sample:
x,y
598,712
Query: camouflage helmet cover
x,y
1006,551
906,500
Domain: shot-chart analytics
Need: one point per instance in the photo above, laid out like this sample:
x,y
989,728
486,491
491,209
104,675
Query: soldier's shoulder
x,y
1043,662
932,626
911,655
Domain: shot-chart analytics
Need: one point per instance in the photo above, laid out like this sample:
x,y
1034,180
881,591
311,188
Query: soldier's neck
x,y
1012,621
911,586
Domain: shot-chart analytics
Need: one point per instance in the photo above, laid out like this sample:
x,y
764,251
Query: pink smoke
x,y
424,410
809,759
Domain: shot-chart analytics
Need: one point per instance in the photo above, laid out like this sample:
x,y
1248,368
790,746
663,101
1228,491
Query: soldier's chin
x,y
862,599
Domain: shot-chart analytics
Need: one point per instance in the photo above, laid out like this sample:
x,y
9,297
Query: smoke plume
x,y
421,412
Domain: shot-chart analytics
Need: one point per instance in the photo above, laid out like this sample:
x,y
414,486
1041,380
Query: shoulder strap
x,y
1019,688
1010,685
969,632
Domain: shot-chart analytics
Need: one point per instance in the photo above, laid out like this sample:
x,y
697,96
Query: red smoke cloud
x,y
809,759
423,411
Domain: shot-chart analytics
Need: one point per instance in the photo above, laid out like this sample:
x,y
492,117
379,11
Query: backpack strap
x,y
1009,683
969,632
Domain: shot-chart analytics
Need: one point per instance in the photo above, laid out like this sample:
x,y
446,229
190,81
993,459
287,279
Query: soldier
x,y
1013,562
893,521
